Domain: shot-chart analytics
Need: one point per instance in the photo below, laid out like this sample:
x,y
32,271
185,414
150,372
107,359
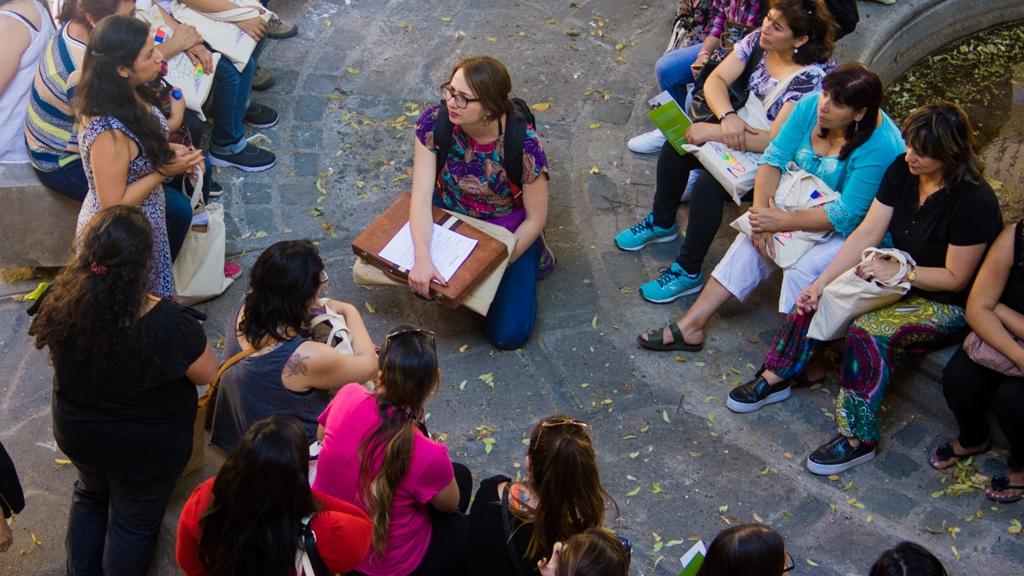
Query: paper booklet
x,y
669,117
693,559
448,250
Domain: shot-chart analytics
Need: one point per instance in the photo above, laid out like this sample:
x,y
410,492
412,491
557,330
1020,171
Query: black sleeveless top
x,y
1013,294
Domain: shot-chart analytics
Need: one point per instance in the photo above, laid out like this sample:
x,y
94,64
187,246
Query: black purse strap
x,y
308,543
506,524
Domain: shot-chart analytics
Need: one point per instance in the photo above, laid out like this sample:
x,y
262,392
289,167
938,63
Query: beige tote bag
x,y
219,30
849,295
199,268
194,82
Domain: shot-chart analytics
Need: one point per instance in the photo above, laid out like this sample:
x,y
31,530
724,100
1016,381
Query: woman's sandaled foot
x,y
949,453
667,339
1005,490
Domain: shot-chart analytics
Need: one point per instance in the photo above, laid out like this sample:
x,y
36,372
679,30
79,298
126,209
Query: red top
x,y
342,532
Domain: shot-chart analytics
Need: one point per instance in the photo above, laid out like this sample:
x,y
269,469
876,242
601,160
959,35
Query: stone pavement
x,y
677,462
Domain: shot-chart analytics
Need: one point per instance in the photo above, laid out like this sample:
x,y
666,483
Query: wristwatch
x,y
911,274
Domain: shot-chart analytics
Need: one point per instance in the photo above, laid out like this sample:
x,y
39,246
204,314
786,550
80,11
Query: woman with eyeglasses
x,y
512,525
747,550
285,371
473,180
376,454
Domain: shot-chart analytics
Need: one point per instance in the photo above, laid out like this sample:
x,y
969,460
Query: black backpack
x,y
515,137
845,14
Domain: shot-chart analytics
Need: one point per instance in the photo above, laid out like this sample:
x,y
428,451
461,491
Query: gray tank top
x,y
252,390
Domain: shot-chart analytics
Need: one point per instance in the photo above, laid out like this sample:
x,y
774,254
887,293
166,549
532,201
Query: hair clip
x,y
99,269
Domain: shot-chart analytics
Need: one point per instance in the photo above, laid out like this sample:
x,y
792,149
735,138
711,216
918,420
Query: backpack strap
x,y
308,544
512,158
506,524
442,139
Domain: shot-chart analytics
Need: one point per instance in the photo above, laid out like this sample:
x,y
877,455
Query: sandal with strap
x,y
1001,483
944,457
655,340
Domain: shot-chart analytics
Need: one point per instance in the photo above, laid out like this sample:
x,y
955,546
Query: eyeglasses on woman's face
x,y
456,99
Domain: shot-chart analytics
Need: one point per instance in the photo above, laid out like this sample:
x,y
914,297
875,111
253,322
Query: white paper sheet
x,y
448,250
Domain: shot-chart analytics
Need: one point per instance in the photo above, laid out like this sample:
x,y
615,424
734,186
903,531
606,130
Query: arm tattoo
x,y
296,365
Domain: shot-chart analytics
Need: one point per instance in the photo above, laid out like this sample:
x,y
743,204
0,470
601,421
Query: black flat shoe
x,y
838,455
751,396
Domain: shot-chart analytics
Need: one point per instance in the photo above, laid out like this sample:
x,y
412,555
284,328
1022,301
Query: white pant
x,y
743,268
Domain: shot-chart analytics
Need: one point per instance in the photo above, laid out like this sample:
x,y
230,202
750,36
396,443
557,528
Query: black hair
x,y
809,18
854,85
283,282
117,41
260,497
943,131
80,11
907,559
745,550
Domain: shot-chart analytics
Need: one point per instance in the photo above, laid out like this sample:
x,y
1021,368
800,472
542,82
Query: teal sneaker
x,y
673,283
643,233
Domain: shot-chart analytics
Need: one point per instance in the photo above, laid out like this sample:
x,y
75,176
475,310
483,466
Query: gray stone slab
x,y
38,224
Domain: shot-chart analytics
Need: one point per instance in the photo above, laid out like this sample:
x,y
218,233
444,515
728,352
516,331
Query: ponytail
x,y
393,440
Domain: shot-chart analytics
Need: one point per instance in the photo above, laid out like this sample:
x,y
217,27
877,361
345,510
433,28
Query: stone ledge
x,y
38,224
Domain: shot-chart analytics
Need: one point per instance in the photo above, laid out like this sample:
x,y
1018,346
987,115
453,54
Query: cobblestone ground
x,y
678,463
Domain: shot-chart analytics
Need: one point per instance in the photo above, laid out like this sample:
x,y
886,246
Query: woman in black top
x,y
126,367
562,496
995,310
934,204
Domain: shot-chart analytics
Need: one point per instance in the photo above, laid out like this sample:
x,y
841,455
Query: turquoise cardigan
x,y
856,178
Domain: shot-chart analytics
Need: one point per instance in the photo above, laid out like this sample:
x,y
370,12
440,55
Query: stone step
x,y
38,224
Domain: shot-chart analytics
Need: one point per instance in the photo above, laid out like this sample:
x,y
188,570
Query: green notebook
x,y
693,559
670,119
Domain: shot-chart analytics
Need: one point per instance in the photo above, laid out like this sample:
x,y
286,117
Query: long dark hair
x,y
283,282
594,552
907,559
565,479
408,375
98,295
260,497
117,41
853,85
809,18
943,131
82,11
745,550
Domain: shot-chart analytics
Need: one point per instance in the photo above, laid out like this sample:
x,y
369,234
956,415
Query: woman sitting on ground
x,y
935,205
376,454
839,135
123,138
593,552
796,42
26,28
126,366
249,519
513,524
907,559
747,550
285,372
474,181
995,310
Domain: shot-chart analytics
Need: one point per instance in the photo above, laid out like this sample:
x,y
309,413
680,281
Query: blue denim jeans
x,y
68,180
513,312
229,100
113,524
179,218
673,71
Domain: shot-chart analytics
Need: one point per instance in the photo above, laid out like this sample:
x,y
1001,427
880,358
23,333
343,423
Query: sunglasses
x,y
561,421
457,99
790,564
324,278
431,339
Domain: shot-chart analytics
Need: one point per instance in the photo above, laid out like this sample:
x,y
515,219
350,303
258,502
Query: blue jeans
x,y
673,71
113,524
179,218
229,100
513,312
68,180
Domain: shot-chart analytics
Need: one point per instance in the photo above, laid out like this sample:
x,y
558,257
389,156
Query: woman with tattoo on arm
x,y
286,372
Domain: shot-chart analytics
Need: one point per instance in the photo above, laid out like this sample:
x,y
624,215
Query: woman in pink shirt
x,y
377,455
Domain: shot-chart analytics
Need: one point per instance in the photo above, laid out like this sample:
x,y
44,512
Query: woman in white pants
x,y
841,136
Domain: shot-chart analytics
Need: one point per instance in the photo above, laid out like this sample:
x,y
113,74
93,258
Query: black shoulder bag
x,y
506,524
738,90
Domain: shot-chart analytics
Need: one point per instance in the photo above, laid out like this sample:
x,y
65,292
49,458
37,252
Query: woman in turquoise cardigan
x,y
841,136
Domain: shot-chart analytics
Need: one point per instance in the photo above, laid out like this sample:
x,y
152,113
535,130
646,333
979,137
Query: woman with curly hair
x,y
126,366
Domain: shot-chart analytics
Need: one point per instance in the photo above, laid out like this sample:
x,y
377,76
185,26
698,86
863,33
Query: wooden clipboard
x,y
488,253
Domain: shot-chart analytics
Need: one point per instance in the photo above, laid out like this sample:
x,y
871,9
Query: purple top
x,y
762,83
474,181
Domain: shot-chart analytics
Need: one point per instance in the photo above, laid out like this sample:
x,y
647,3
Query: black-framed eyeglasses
x,y
790,564
324,278
457,99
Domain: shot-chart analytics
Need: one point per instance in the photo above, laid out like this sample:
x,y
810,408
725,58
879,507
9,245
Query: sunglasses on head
x,y
403,331
561,421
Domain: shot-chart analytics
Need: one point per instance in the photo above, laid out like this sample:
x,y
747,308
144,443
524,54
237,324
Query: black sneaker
x,y
758,392
838,455
260,116
216,190
251,159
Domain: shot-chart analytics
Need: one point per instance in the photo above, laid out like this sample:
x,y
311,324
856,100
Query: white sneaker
x,y
647,143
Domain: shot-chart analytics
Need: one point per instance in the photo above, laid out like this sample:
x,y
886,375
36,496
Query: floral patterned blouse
x,y
473,181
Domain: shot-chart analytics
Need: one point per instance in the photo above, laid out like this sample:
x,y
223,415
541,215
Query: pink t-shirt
x,y
348,419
